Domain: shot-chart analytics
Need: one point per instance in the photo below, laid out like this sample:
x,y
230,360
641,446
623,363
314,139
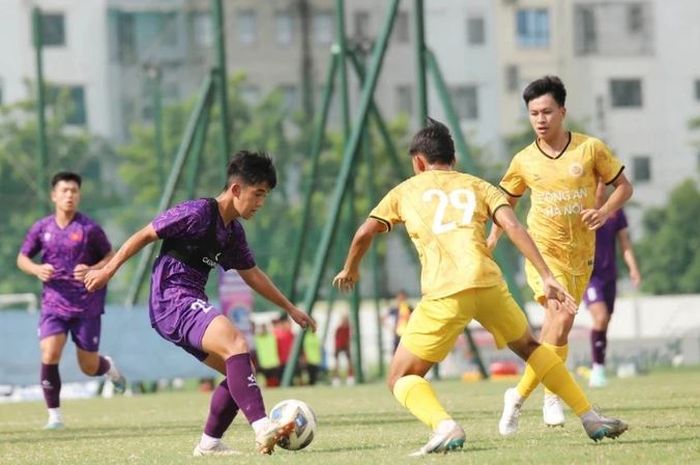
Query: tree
x,y
669,252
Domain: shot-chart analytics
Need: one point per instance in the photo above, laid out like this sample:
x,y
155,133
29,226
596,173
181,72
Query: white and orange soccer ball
x,y
304,420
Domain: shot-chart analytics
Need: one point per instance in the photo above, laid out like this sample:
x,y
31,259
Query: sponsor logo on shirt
x,y
47,236
76,236
212,263
576,170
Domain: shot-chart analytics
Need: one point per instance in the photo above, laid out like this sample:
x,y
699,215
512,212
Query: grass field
x,y
364,425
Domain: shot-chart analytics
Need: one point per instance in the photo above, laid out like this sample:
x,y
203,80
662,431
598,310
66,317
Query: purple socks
x,y
51,385
244,388
599,342
222,411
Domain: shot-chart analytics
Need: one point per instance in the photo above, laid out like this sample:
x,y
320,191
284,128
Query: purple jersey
x,y
605,265
81,242
175,283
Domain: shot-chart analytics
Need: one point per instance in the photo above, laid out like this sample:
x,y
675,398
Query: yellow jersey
x,y
445,214
561,188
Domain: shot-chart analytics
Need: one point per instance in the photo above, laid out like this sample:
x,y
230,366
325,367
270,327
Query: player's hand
x,y
345,280
95,280
594,218
80,270
555,293
44,272
303,319
636,278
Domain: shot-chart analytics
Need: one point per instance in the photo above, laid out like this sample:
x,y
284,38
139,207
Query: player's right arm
x,y
515,231
350,274
43,271
30,247
97,279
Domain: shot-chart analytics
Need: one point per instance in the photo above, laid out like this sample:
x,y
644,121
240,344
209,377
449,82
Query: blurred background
x,y
123,77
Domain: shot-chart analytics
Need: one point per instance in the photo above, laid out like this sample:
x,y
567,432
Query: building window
x,y
53,29
247,27
586,35
626,93
697,90
290,95
361,24
466,102
284,28
250,94
202,30
73,100
475,31
635,18
641,169
533,28
402,28
512,78
404,99
323,27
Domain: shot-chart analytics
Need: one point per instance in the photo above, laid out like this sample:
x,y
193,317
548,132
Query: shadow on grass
x,y
645,442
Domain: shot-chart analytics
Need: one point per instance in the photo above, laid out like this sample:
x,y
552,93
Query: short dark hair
x,y
435,142
67,176
252,168
547,85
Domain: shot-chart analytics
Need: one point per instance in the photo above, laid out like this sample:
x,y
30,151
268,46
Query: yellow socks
x,y
418,396
530,380
557,378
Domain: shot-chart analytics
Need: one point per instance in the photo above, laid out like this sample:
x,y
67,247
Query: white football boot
x,y
448,437
512,403
552,410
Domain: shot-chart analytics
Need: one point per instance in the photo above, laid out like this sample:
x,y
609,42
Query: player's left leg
x,y
554,335
85,333
601,301
554,375
223,339
429,336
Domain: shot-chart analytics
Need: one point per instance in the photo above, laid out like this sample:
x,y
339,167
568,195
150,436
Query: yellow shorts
x,y
435,324
574,284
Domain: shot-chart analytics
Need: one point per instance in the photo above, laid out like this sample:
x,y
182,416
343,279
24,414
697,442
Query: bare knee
x,y
525,346
89,366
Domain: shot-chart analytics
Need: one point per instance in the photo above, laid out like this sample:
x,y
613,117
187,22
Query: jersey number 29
x,y
461,199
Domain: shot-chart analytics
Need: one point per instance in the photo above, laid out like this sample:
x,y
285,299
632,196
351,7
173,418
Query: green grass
x,y
364,425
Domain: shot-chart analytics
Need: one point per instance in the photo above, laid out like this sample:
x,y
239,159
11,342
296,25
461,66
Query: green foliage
x,y
669,252
70,148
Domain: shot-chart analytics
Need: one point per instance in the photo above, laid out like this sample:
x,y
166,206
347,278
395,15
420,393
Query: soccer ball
x,y
304,418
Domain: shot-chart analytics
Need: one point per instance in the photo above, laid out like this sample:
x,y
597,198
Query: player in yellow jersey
x,y
445,214
561,169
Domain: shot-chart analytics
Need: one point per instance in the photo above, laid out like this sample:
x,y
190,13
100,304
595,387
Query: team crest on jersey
x,y
576,170
76,236
47,236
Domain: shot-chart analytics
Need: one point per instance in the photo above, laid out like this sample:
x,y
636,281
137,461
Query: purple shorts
x,y
601,291
186,325
85,332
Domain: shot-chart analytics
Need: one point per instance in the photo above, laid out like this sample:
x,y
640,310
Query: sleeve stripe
x,y
616,176
383,221
506,191
493,215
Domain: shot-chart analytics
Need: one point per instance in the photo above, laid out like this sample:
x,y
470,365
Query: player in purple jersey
x,y
70,244
602,287
197,236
